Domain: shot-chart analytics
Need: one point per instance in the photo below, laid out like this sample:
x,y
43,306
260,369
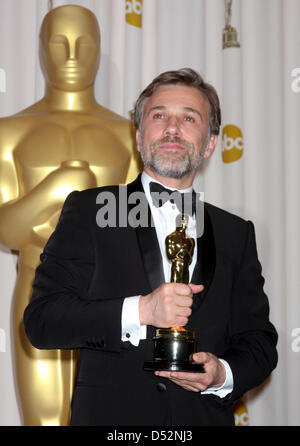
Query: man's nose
x,y
172,126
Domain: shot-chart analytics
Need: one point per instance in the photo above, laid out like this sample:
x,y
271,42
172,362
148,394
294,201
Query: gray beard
x,y
172,168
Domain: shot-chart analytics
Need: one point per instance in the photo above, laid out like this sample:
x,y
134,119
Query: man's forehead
x,y
179,96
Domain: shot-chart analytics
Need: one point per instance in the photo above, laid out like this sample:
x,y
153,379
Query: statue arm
x,y
171,247
18,216
135,167
62,314
127,135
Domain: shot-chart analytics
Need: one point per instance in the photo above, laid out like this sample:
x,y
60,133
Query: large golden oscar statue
x,y
66,141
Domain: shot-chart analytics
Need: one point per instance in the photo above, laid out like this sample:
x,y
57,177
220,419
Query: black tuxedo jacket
x,y
85,274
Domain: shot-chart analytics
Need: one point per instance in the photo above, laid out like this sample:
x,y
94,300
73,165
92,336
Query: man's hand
x,y
169,305
214,375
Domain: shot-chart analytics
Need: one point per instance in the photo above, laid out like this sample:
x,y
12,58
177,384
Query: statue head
x,y
70,48
182,221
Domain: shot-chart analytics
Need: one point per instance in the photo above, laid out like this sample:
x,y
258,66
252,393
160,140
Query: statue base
x,y
172,351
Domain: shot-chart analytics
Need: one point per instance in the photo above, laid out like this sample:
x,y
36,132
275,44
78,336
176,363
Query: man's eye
x,y
189,119
158,116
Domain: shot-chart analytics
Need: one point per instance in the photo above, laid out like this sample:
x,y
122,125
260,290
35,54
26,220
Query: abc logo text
x,y
134,11
232,143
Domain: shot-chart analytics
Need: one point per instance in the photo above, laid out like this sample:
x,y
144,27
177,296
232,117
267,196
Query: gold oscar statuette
x,y
174,346
230,36
66,141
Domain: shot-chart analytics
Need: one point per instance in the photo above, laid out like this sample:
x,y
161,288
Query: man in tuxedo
x,y
105,289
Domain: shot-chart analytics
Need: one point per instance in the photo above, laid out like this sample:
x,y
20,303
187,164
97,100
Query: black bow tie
x,y
185,202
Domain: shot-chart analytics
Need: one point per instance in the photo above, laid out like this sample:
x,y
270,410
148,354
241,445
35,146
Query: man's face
x,y
174,136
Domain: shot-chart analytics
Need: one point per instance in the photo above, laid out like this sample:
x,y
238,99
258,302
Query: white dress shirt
x,y
164,218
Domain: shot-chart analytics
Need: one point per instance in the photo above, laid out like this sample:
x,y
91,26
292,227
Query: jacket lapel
x,y
206,260
151,256
147,241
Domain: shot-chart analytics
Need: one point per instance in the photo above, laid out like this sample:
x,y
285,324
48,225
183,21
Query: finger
x,y
201,357
162,373
184,377
182,289
189,381
184,302
184,311
196,381
187,386
176,378
180,321
196,288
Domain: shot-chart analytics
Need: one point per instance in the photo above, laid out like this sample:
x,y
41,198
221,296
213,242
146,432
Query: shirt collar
x,y
147,179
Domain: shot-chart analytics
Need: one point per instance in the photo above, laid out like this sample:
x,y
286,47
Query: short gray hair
x,y
189,78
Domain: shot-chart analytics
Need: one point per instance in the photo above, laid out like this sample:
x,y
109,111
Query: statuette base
x,y
173,350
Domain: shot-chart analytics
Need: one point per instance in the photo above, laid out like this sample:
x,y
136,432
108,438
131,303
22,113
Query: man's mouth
x,y
171,144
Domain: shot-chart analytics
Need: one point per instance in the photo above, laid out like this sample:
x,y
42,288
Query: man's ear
x,y
137,138
211,146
